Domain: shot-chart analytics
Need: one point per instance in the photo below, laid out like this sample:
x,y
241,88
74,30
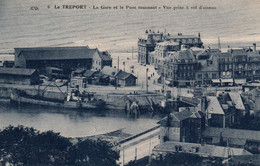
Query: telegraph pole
x,y
219,45
132,52
147,80
117,71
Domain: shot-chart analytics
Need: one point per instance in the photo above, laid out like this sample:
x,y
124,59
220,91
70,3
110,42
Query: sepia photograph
x,y
129,83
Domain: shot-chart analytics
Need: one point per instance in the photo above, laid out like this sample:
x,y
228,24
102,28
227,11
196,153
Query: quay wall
x,y
114,101
5,92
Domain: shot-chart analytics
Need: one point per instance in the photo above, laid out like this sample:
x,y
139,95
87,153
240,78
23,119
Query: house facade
x,y
146,44
184,126
101,59
179,68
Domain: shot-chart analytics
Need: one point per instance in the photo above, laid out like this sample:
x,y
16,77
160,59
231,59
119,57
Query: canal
x,y
72,123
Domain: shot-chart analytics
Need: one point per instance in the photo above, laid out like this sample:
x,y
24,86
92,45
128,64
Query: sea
x,y
113,25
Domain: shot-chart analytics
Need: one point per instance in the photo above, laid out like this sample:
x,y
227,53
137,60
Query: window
x,y
200,76
214,76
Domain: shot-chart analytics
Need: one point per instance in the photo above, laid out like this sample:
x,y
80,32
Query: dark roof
x,y
232,133
17,71
48,53
182,55
105,56
79,71
109,71
182,37
179,116
90,73
223,54
237,51
123,75
187,113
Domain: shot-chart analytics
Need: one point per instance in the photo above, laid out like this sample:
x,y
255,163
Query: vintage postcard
x,y
116,82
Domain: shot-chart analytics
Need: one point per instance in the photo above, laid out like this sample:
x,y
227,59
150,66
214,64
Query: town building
x,y
253,64
146,44
252,98
239,58
215,115
19,76
125,79
64,58
161,51
246,139
225,65
179,68
224,110
184,126
119,77
101,59
187,40
207,72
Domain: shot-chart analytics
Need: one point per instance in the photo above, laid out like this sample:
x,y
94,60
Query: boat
x,y
71,101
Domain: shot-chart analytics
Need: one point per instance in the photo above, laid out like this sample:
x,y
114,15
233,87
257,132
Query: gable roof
x,y
104,55
236,98
180,116
109,71
89,73
49,53
123,75
214,106
17,71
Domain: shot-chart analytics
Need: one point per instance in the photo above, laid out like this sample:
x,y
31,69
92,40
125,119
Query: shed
x,y
19,76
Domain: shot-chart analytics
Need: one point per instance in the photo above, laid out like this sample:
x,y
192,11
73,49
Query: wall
x,y
15,79
173,133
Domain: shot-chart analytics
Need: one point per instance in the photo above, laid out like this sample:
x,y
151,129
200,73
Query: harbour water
x,y
72,123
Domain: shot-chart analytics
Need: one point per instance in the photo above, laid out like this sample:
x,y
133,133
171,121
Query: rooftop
x,y
214,106
232,133
203,150
17,71
168,43
182,55
182,37
236,98
123,75
49,53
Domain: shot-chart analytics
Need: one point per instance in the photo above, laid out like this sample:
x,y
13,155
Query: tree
x,y
26,146
94,153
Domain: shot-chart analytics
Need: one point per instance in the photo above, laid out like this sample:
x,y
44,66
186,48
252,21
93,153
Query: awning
x,y
226,80
240,81
215,80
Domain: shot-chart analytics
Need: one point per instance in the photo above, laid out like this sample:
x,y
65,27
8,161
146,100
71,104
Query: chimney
x,y
254,45
180,43
199,34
